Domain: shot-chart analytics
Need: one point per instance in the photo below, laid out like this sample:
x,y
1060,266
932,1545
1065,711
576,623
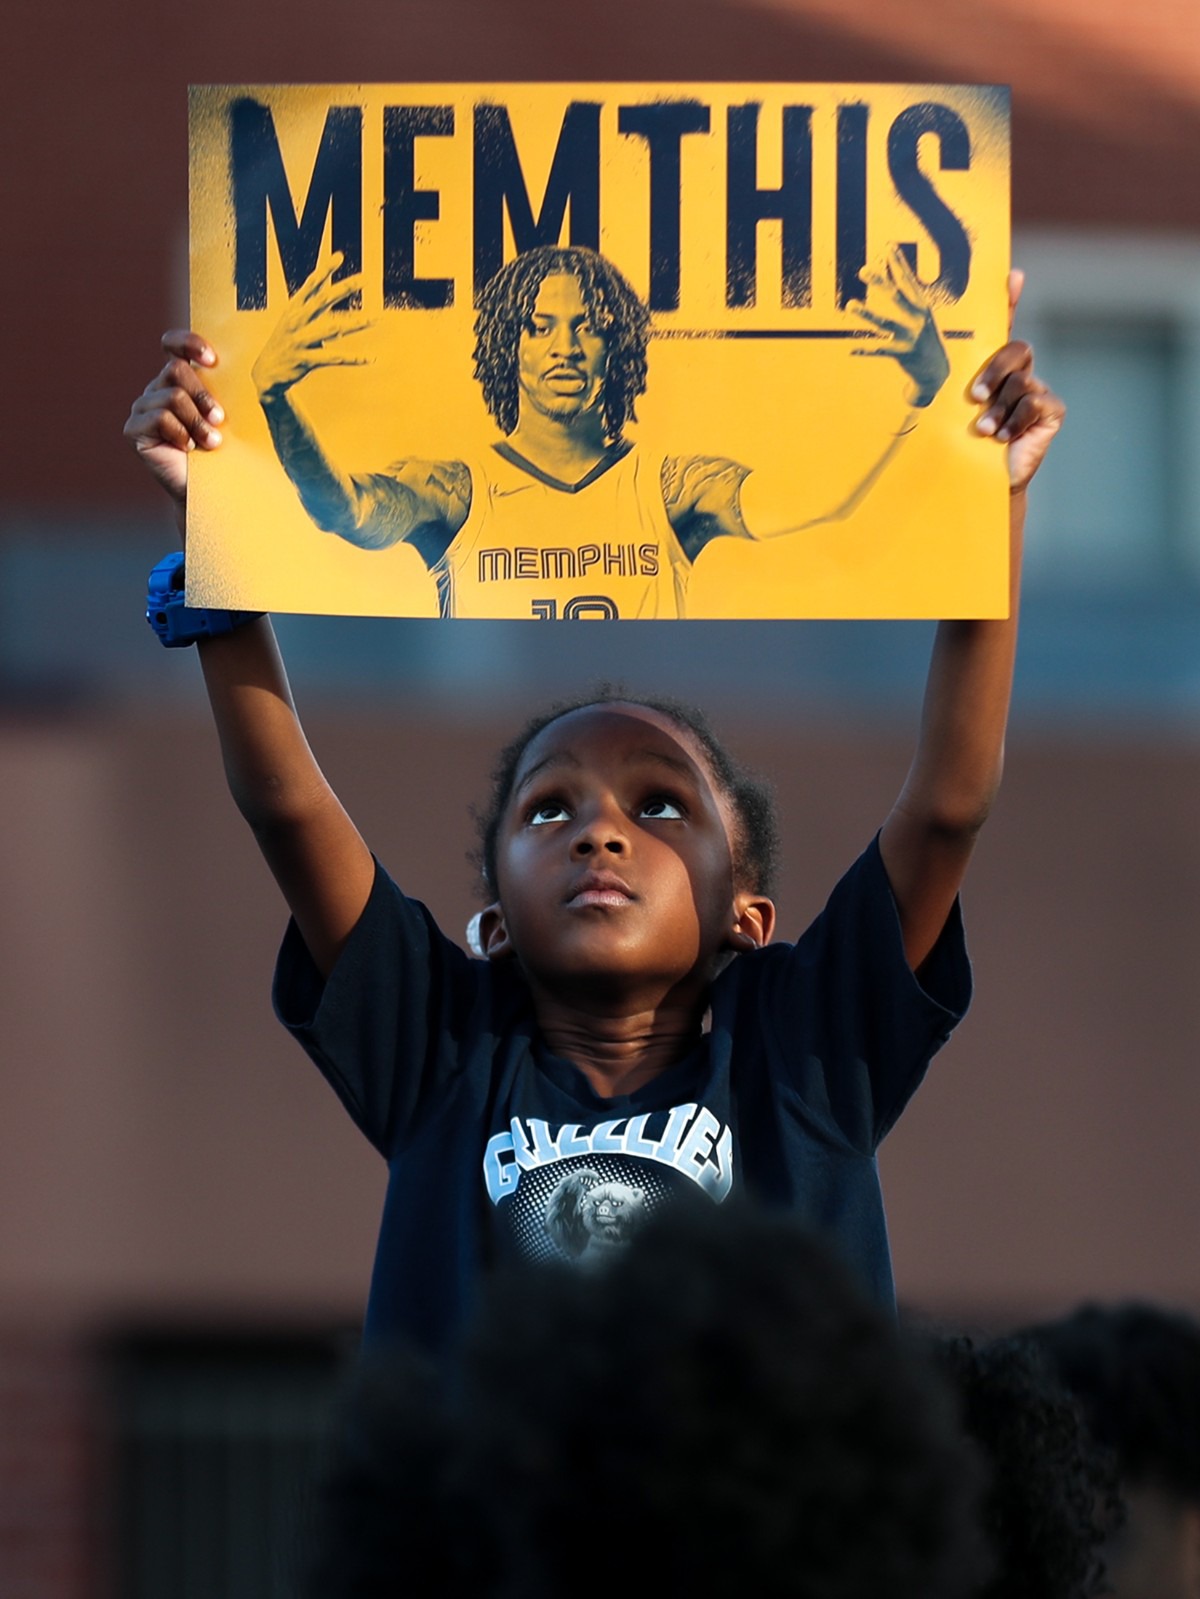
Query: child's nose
x,y
600,833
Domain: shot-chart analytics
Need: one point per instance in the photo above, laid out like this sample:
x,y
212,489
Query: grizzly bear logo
x,y
589,1218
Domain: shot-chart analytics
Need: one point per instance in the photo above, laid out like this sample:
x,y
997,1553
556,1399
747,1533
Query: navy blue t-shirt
x,y
497,1148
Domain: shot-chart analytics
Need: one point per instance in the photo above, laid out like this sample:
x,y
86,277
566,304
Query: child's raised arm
x,y
928,837
313,848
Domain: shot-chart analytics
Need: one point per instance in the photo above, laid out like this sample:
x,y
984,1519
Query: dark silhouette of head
x,y
723,1399
615,310
1135,1367
718,1409
1053,1498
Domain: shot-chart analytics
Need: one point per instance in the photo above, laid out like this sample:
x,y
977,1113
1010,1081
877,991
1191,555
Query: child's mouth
x,y
600,888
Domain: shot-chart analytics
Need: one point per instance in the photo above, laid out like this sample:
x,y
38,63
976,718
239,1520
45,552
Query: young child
x,y
633,1032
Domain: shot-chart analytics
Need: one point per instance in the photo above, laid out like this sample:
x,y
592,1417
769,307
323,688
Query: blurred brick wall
x,y
51,1526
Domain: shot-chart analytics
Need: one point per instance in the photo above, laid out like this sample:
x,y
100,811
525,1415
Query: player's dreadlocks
x,y
506,309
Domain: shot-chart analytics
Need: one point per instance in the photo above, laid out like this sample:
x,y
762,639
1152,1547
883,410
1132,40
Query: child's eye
x,y
549,811
660,809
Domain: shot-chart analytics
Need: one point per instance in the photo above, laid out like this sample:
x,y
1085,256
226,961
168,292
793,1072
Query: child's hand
x,y
176,413
1020,410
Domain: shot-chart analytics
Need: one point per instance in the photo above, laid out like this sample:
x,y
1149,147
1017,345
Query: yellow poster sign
x,y
586,351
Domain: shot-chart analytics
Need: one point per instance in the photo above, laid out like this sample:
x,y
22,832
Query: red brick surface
x,y
51,1536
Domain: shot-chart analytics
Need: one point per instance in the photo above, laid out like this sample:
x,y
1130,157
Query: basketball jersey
x,y
535,547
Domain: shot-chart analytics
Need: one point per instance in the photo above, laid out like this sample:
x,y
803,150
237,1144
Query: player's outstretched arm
x,y
712,497
897,309
310,844
372,512
927,839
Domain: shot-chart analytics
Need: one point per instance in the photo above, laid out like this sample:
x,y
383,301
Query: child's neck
x,y
618,1054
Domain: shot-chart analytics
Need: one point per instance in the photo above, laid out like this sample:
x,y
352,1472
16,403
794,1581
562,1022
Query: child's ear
x,y
494,941
753,922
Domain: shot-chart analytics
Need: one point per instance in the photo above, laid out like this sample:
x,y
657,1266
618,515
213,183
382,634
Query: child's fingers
x,y
1022,417
169,413
180,374
1002,403
1033,410
1016,356
1000,417
1011,357
1023,401
189,346
149,426
175,420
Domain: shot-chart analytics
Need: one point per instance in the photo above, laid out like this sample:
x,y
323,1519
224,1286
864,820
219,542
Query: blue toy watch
x,y
175,622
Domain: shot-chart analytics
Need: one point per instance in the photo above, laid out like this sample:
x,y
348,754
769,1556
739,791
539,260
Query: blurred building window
x,y
1107,507
1116,325
219,1442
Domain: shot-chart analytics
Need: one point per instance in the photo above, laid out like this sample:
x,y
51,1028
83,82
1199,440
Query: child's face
x,y
614,857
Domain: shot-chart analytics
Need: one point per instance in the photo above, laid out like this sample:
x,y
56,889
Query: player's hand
x,y
897,304
310,332
1019,409
176,413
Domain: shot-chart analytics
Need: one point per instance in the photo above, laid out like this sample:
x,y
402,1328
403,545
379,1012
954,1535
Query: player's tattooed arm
x,y
411,495
318,330
373,510
702,497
